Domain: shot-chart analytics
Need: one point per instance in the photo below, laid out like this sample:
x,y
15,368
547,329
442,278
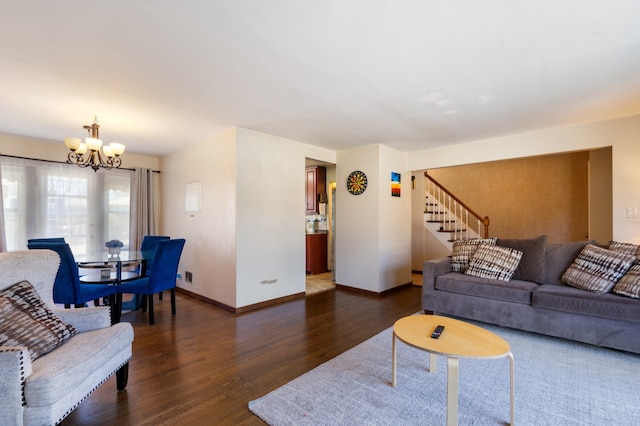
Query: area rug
x,y
558,382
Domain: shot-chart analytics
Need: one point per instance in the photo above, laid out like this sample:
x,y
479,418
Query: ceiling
x,y
410,74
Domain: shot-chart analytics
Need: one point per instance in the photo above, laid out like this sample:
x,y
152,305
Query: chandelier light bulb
x,y
82,148
72,143
93,144
117,148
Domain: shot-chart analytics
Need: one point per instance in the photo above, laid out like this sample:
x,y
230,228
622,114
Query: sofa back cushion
x,y
533,265
559,257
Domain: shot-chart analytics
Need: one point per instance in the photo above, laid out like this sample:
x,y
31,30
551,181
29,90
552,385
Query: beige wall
x,y
43,149
210,250
526,197
600,195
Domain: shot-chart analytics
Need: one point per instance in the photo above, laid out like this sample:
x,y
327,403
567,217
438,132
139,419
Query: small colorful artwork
x,y
395,184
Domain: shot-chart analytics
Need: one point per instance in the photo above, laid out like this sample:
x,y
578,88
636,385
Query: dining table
x,y
104,263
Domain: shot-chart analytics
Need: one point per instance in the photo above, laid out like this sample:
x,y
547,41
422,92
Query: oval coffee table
x,y
458,340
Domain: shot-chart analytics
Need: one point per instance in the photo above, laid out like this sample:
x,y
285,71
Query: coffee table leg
x,y
513,387
393,360
433,364
452,391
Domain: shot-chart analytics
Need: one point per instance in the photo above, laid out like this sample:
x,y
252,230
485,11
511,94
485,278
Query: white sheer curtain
x,y
143,218
47,199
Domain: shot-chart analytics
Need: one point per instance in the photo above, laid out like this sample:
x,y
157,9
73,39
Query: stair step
x,y
452,230
441,221
431,212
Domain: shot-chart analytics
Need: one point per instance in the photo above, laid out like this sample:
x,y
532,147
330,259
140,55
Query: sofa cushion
x,y
494,262
625,248
629,284
569,299
509,291
597,269
560,257
25,320
463,251
533,265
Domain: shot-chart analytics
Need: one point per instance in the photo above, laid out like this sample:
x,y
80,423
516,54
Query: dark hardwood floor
x,y
204,365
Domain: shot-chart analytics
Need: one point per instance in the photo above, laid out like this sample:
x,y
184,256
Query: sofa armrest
x,y
86,319
432,269
15,367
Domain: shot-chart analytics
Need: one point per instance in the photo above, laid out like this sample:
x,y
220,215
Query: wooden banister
x,y
484,220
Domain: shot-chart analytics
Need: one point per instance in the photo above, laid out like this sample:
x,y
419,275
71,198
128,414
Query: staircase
x,y
449,219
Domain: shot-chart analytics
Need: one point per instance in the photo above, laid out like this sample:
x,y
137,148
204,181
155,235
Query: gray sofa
x,y
547,306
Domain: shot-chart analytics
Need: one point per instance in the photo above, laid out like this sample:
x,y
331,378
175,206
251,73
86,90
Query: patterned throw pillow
x,y
629,284
597,269
495,262
625,248
25,320
463,252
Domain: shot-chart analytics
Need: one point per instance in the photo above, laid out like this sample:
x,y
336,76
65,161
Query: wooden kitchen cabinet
x,y
317,253
316,184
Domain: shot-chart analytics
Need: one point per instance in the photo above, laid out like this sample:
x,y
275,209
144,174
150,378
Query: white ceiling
x,y
410,74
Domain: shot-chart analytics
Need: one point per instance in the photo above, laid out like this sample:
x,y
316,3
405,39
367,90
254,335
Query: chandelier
x,y
88,154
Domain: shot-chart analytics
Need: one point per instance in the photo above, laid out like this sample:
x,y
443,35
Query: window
x,y
42,199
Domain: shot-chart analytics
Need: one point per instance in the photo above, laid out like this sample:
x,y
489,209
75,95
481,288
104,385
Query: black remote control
x,y
437,332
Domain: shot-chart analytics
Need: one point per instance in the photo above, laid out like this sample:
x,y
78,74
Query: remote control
x,y
437,332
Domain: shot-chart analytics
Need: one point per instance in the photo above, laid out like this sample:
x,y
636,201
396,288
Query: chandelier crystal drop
x,y
88,153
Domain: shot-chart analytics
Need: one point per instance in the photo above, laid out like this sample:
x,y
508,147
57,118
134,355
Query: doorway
x,y
322,279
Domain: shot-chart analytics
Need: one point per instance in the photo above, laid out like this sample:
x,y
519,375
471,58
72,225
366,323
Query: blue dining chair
x,y
149,244
162,275
67,288
47,240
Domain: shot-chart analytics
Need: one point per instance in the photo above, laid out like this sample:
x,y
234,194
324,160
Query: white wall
x,y
210,249
247,244
622,134
357,218
270,214
394,226
373,229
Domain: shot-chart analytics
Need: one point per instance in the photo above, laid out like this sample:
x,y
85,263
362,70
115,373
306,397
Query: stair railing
x,y
456,210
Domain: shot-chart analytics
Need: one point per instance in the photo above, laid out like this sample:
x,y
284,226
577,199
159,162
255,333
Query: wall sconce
x,y
193,198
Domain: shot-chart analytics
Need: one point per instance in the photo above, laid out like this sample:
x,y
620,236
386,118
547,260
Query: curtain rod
x,y
61,162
